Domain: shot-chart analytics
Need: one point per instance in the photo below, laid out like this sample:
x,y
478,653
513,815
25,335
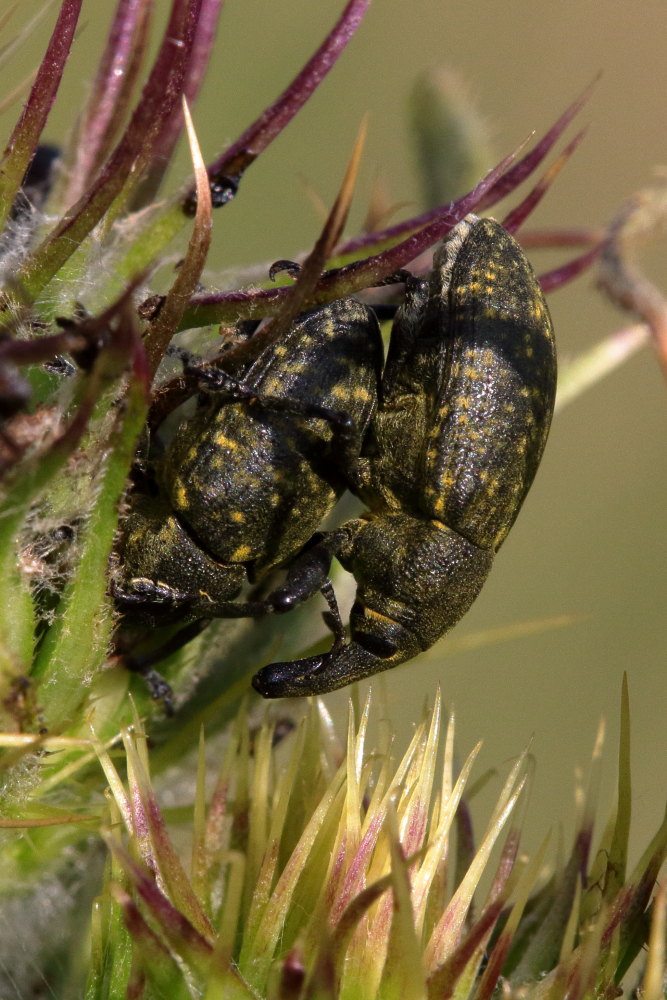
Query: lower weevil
x,y
466,402
246,481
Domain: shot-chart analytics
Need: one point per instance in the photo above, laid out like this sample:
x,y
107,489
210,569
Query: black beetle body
x,y
247,480
466,402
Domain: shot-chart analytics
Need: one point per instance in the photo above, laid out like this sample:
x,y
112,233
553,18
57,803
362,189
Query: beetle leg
x,y
308,573
215,381
141,663
142,590
344,427
159,689
149,592
332,617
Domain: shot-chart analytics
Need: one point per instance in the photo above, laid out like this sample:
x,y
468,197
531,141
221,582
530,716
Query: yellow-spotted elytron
x,y
465,406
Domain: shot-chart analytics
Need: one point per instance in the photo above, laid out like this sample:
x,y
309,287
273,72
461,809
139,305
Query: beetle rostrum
x,y
465,406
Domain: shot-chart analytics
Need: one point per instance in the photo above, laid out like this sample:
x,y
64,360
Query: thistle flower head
x,y
318,870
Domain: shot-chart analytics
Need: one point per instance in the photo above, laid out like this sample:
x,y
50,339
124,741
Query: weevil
x,y
466,402
246,481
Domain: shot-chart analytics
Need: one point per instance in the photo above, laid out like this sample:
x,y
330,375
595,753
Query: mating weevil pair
x,y
442,449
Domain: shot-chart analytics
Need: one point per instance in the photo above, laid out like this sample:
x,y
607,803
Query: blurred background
x,y
591,540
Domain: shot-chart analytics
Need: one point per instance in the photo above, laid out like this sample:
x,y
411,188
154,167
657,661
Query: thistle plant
x,y
332,874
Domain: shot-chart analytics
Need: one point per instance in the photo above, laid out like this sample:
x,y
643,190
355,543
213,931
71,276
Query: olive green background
x,y
591,540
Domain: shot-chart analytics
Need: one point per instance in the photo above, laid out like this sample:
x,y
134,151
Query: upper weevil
x,y
247,480
466,402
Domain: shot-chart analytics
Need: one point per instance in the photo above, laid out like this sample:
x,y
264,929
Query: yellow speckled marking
x,y
224,442
376,615
242,554
361,394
